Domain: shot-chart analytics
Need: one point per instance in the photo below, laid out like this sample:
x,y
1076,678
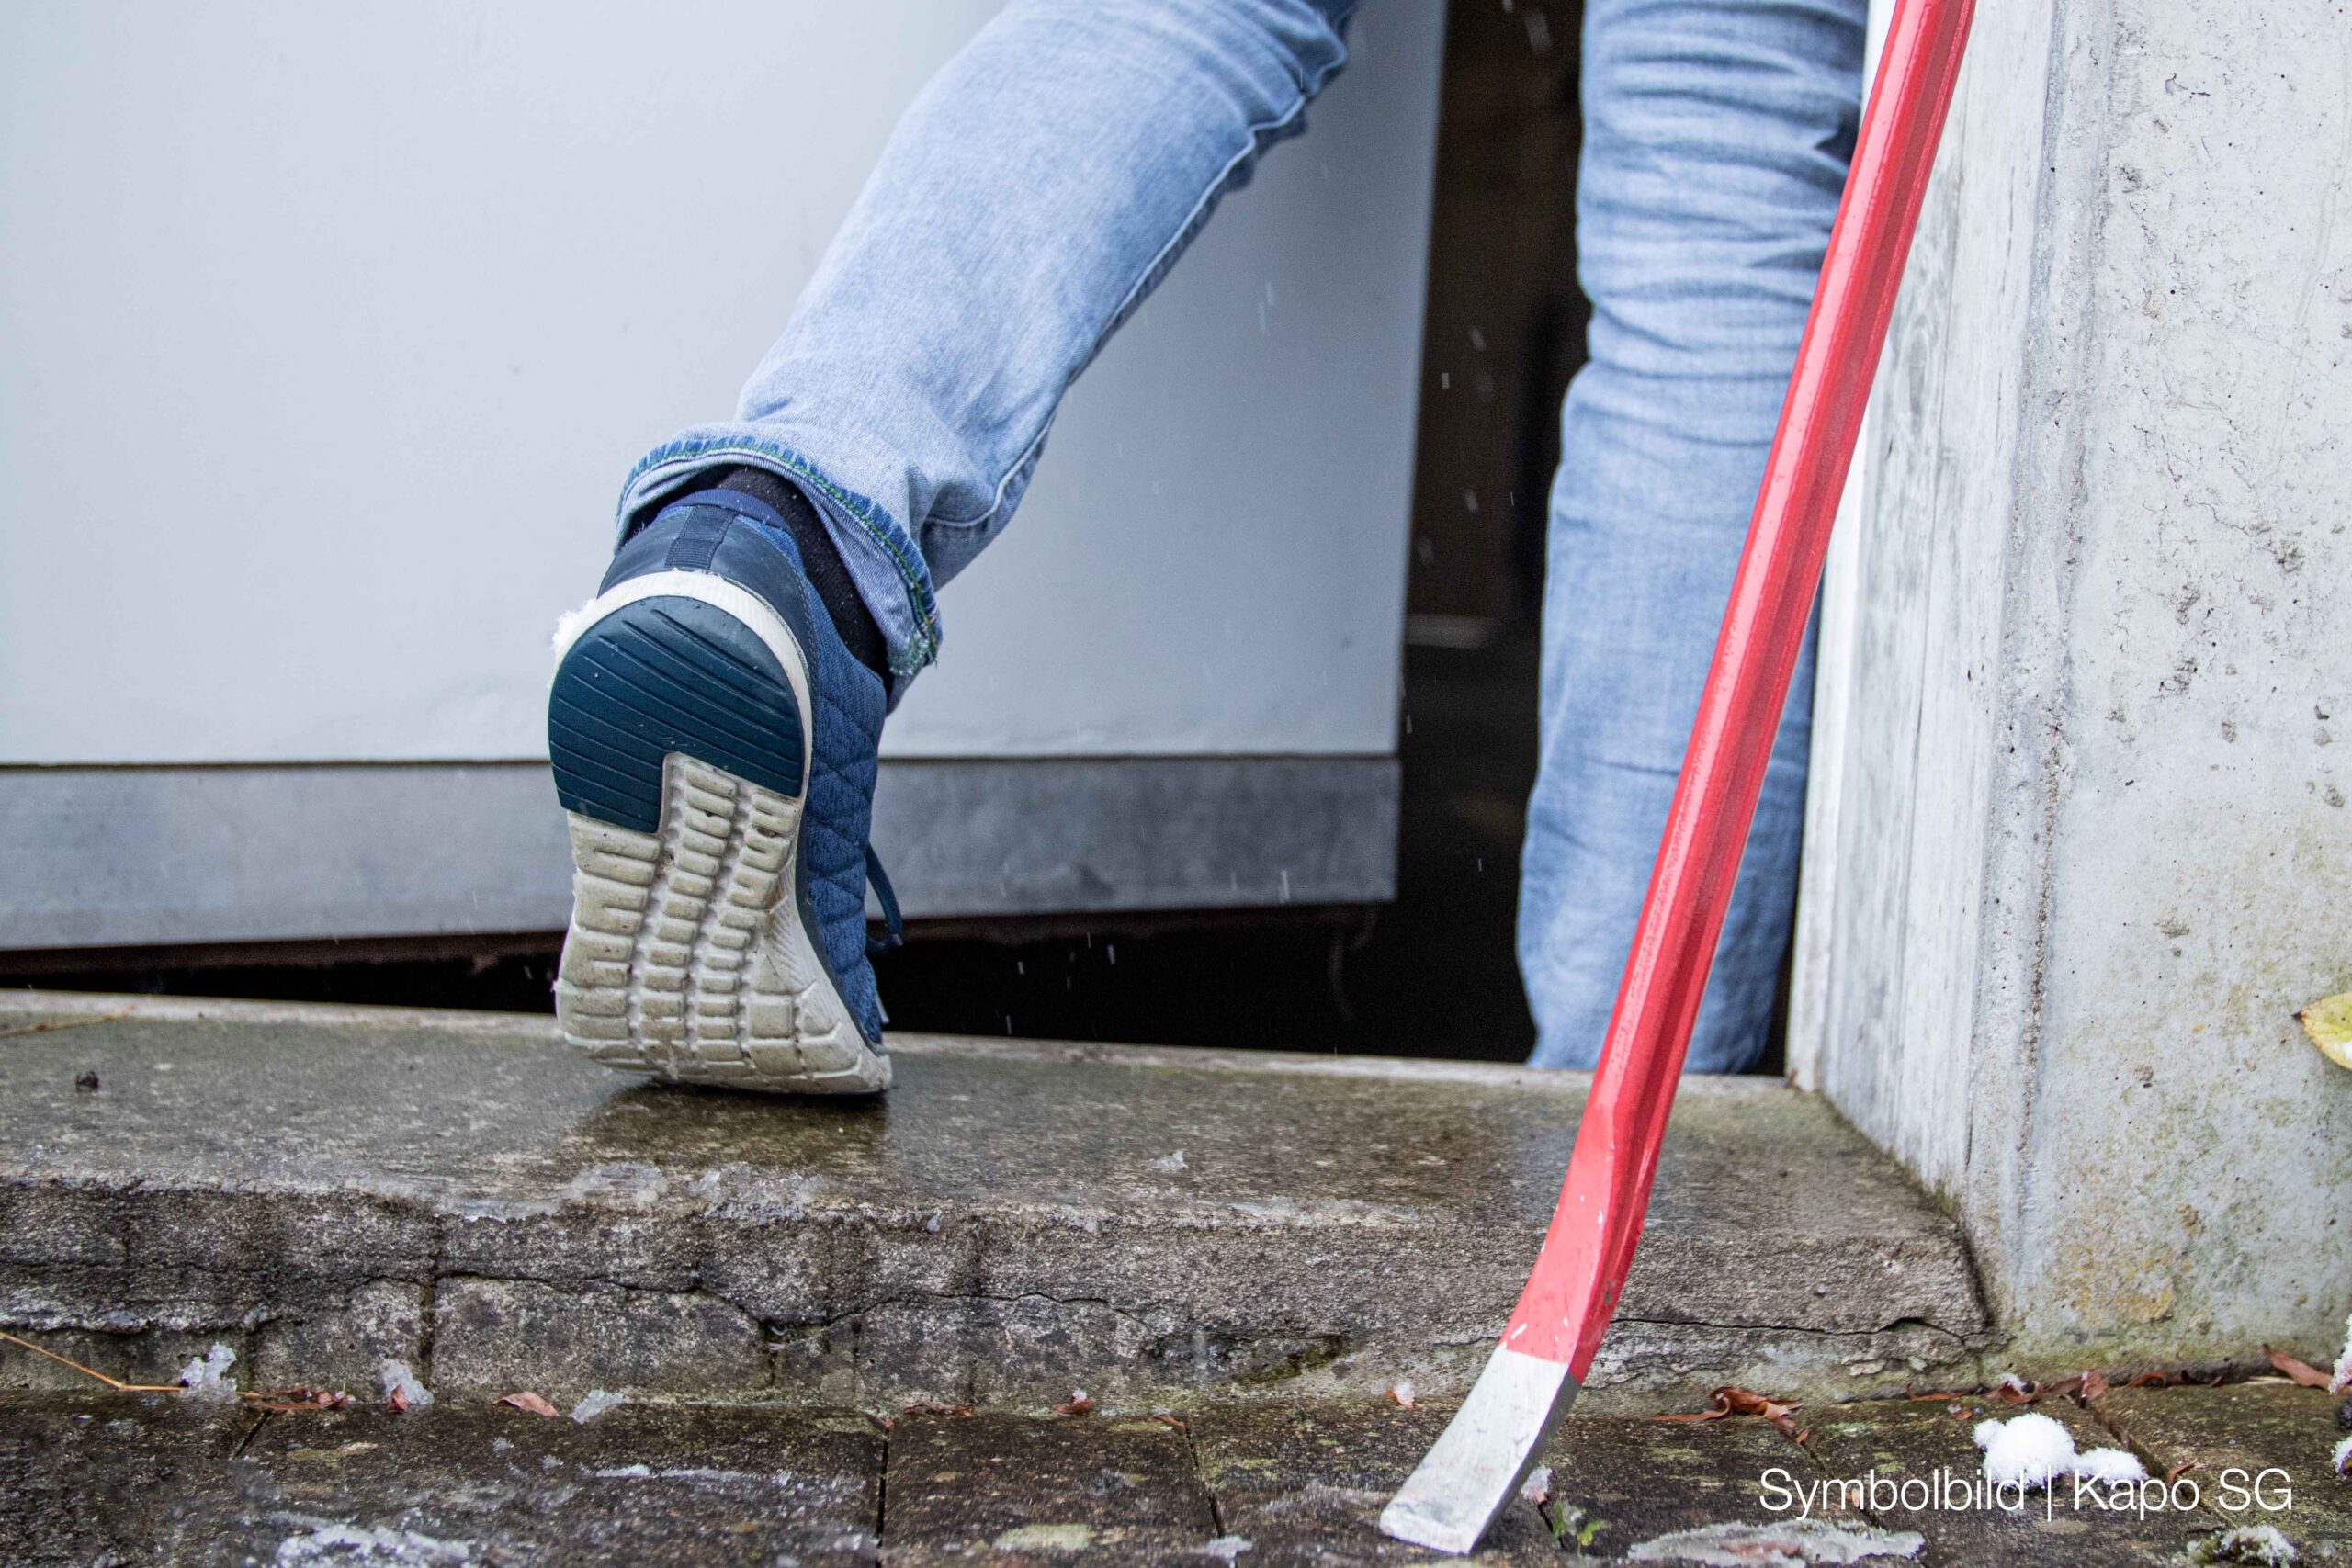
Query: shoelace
x,y
894,925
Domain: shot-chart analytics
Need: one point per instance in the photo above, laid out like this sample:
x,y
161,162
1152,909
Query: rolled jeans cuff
x,y
889,572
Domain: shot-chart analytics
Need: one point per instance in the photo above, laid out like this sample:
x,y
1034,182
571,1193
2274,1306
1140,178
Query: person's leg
x,y
716,712
1029,199
1716,138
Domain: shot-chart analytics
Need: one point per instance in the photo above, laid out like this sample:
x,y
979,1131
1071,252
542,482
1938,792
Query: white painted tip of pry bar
x,y
1475,1467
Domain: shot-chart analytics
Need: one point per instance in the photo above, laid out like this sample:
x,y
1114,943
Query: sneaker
x,y
714,744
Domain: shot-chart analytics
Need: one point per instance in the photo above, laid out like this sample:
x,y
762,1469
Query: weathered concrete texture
x,y
321,1188
2232,1436
159,1479
1008,1489
150,1479
1915,1441
1308,1485
2080,845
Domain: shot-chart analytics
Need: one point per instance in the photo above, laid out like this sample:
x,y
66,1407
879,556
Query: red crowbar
x,y
1501,1429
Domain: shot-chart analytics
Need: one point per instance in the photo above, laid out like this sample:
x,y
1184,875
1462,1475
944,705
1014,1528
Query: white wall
x,y
327,332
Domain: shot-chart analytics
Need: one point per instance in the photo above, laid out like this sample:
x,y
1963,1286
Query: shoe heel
x,y
660,675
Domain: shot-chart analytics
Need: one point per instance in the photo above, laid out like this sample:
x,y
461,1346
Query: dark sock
x,y
828,573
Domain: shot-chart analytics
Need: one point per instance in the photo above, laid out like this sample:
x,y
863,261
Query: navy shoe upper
x,y
740,538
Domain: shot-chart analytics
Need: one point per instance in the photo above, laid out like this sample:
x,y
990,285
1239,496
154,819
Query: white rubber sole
x,y
686,957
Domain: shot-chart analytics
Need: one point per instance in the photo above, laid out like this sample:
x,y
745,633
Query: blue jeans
x,y
984,265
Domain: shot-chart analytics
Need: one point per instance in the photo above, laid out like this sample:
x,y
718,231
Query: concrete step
x,y
325,1189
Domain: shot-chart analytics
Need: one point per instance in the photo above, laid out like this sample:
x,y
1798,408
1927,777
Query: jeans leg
x,y
1031,197
1716,138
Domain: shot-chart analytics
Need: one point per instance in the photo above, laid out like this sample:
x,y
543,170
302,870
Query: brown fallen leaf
x,y
531,1402
1402,1393
1734,1401
2094,1386
1079,1403
2176,1471
288,1401
2303,1374
1166,1420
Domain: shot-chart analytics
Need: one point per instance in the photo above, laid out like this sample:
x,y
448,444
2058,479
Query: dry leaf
x,y
531,1402
288,1401
2176,1471
2329,1023
2302,1373
1402,1393
1734,1401
1078,1404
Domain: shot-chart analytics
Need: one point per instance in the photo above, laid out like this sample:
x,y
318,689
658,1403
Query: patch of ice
x,y
399,1380
1171,1164
2260,1545
1792,1543
1538,1485
2029,1451
1045,1537
207,1378
596,1404
691,1473
353,1543
2106,1467
1228,1547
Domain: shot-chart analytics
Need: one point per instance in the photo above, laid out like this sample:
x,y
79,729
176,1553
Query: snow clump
x,y
2032,1450
401,1387
207,1378
596,1404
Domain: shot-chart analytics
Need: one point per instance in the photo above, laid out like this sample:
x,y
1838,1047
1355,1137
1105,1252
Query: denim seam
x,y
924,648
1261,133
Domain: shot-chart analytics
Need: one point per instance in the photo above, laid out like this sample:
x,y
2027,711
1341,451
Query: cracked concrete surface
x,y
324,1188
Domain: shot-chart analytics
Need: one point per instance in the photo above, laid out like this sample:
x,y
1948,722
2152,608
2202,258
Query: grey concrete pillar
x,y
2078,846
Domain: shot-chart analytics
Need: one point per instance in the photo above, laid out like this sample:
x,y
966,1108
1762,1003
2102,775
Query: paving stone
x,y
159,1480
1306,1484
1010,1222
116,1479
135,1479
1012,1490
1915,1441
2233,1436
